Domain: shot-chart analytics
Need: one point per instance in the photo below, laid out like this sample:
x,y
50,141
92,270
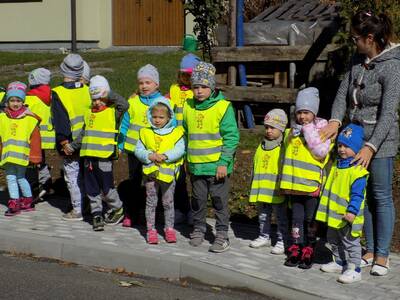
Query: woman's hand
x,y
363,157
330,131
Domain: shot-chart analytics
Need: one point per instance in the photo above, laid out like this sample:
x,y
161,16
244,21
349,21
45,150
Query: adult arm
x,y
338,110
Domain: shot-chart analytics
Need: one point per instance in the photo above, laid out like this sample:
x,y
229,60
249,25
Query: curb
x,y
153,265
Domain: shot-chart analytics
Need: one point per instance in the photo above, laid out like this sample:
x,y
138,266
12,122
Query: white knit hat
x,y
149,71
99,87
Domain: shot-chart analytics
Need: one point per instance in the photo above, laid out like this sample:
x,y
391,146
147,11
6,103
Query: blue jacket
x,y
357,189
172,155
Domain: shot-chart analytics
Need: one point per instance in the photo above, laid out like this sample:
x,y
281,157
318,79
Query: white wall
x,y
50,20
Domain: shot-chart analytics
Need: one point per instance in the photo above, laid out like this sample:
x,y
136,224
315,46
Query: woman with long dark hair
x,y
369,96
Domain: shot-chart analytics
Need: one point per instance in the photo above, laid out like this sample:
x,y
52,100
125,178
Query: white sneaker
x,y
260,242
332,267
366,262
350,275
379,270
279,248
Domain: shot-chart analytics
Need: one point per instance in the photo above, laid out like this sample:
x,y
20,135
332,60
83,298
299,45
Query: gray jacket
x,y
369,95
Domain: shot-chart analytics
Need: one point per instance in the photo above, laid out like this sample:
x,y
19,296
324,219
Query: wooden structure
x,y
148,22
267,66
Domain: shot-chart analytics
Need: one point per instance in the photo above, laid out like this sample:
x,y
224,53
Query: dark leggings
x,y
304,226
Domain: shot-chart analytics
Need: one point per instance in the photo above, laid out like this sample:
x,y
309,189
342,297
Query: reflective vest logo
x,y
14,127
296,146
158,140
199,119
265,160
92,119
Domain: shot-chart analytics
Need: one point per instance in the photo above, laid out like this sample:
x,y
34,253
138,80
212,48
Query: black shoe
x,y
294,257
98,223
307,257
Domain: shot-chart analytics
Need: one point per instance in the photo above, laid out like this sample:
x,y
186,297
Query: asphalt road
x,y
24,277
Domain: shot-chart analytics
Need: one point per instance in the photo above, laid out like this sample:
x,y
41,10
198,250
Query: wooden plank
x,y
266,53
294,10
232,72
265,13
284,7
259,94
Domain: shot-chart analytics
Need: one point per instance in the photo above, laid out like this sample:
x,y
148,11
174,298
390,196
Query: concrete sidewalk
x,y
44,233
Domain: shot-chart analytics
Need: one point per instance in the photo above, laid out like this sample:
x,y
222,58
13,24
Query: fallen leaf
x,y
246,151
215,288
119,270
130,283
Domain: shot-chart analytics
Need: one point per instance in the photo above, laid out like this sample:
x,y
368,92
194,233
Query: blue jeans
x,y
379,212
15,175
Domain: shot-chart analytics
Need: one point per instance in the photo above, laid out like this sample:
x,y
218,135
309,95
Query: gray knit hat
x,y
276,118
149,71
308,99
204,74
86,71
39,76
72,66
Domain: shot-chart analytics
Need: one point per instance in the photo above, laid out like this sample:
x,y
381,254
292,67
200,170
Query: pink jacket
x,y
310,131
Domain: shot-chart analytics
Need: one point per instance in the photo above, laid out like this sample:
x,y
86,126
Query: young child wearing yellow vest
x,y
20,145
212,137
38,100
302,174
160,148
133,120
98,147
70,100
179,93
342,207
265,184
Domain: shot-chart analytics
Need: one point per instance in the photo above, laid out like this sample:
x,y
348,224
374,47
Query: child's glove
x,y
296,129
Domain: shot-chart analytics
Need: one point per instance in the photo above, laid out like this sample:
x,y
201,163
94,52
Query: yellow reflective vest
x,y
47,133
178,98
157,143
265,184
2,94
204,139
301,171
15,137
76,102
100,133
138,119
336,197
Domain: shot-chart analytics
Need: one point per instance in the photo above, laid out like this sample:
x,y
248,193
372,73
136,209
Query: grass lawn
x,y
120,69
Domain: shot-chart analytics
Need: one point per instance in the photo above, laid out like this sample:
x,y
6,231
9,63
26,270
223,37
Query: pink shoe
x,y
127,222
13,208
170,235
26,204
152,236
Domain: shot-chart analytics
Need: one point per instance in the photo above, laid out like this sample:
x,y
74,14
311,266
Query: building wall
x,y
50,20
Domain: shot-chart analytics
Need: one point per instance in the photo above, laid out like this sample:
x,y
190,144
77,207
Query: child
x,y
98,148
179,93
265,185
69,102
20,144
342,206
135,119
302,175
160,149
212,137
38,100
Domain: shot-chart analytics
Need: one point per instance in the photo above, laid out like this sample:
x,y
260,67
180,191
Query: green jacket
x,y
230,136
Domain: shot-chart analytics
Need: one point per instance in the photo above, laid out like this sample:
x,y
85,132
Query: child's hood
x,y
166,102
43,92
